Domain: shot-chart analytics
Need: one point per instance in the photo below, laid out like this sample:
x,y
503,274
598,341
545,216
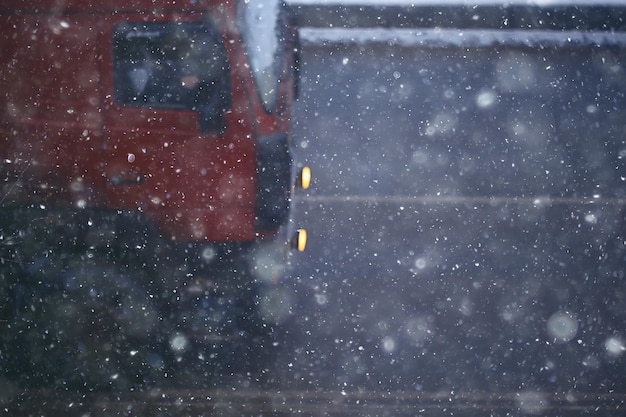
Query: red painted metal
x,y
66,141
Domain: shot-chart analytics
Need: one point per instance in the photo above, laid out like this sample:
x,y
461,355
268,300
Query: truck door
x,y
168,103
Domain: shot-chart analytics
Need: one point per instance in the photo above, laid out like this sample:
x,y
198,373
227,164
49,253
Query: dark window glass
x,y
172,65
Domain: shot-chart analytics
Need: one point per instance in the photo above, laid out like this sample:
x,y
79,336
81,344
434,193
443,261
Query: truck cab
x,y
178,111
145,186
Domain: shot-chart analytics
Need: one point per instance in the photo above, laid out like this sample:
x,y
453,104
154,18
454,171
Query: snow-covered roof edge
x,y
435,38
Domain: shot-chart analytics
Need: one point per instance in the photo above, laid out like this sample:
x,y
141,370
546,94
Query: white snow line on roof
x,y
459,37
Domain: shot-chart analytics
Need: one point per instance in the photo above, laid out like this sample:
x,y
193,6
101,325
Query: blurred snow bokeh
x,y
469,204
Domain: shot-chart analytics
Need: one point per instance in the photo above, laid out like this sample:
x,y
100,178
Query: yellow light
x,y
305,177
301,243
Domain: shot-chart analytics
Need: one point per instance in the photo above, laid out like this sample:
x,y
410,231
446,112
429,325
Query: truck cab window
x,y
172,66
261,24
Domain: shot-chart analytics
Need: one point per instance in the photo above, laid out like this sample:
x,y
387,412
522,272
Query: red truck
x,y
140,139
